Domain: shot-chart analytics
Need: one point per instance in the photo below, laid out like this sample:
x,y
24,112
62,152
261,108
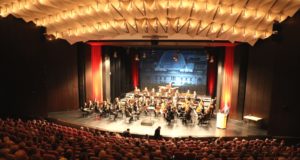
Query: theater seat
x,y
49,157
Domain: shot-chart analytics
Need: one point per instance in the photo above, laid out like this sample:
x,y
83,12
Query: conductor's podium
x,y
221,120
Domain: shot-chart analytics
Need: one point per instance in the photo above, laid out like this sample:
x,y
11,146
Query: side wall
x,y
37,75
273,83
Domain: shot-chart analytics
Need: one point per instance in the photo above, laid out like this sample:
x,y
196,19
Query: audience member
x,y
126,133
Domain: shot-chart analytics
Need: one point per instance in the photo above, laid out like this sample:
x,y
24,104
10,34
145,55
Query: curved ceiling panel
x,y
83,20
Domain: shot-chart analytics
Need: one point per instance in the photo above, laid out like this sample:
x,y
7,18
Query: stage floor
x,y
176,129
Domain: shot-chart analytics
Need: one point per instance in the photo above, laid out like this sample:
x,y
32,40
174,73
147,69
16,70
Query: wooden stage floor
x,y
176,129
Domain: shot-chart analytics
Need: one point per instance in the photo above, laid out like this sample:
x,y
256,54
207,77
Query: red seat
x,y
49,157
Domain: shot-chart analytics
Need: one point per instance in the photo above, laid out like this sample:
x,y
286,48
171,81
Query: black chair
x,y
203,119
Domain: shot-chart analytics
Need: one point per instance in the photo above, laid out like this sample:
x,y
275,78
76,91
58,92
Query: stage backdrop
x,y
186,69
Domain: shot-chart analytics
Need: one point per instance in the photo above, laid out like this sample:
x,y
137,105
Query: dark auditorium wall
x,y
239,81
273,82
36,76
61,75
83,51
259,81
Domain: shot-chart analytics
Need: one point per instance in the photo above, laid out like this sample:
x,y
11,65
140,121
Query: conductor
x,y
157,133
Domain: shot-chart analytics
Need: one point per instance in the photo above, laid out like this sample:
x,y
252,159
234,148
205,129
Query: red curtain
x,y
96,60
227,77
211,78
135,73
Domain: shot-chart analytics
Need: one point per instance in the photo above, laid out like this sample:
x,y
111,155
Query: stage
x,y
176,129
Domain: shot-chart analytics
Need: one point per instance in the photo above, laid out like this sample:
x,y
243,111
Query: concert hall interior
x,y
167,70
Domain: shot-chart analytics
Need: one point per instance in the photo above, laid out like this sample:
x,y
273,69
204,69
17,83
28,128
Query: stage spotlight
x,y
144,55
115,54
137,57
211,59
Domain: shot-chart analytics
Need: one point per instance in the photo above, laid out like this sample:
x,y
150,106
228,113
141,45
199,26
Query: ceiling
x,y
84,20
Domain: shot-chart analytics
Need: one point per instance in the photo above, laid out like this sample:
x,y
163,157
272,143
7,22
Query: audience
x,y
44,140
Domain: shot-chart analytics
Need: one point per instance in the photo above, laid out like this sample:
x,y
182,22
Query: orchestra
x,y
167,102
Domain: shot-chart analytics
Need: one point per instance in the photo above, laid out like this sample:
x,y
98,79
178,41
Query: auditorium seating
x,y
41,139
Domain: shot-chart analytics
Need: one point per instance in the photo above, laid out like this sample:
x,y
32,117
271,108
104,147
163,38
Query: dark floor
x,y
176,129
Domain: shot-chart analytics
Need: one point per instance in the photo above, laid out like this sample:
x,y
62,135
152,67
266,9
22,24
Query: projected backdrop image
x,y
186,69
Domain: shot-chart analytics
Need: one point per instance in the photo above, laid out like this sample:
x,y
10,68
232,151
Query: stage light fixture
x,y
211,59
115,54
144,55
137,57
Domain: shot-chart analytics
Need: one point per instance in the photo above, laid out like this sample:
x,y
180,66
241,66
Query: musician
x,y
177,93
97,107
85,106
201,105
153,91
136,90
163,108
159,90
128,113
187,115
211,108
199,109
180,111
169,115
187,94
104,109
174,100
194,95
146,92
85,109
186,105
91,105
136,110
157,108
113,111
146,104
